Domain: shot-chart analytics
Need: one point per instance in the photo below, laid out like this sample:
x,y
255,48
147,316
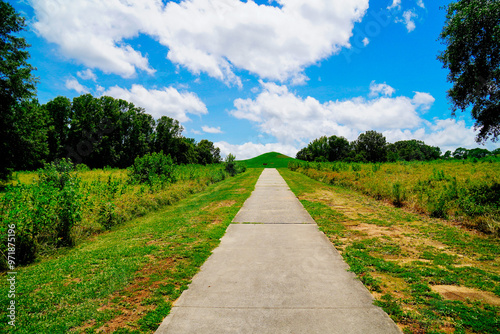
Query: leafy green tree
x,y
304,154
472,38
370,146
168,131
17,85
58,113
478,153
447,155
207,152
138,130
338,148
461,153
319,149
185,151
29,143
413,149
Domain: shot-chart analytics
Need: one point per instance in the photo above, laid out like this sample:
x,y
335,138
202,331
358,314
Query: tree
x,y
168,130
29,143
207,152
304,154
17,85
461,153
472,38
338,148
370,146
413,149
58,113
478,153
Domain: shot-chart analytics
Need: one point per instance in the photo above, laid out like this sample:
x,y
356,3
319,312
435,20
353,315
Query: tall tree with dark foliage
x,y
17,87
472,38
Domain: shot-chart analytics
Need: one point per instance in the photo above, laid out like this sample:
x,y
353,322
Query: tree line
x,y
372,146
99,132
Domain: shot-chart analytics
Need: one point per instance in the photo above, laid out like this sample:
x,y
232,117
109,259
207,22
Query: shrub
x,y
43,213
153,168
398,194
59,179
233,167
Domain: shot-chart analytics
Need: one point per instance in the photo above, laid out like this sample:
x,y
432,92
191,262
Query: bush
x,y
153,168
62,184
398,194
43,213
233,167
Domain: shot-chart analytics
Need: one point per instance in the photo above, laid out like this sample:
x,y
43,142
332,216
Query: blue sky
x,y
256,76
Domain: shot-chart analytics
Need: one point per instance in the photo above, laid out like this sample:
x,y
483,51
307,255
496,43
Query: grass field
x,y
429,275
91,202
124,280
463,191
268,160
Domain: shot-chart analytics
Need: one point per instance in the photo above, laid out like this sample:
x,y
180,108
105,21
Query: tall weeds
x,y
465,191
58,209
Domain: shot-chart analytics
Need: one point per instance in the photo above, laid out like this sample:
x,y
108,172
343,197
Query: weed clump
x,y
42,213
153,168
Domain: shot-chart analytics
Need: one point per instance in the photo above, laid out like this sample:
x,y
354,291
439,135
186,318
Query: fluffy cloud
x,y
165,102
93,31
87,75
208,129
408,20
377,89
76,86
250,150
395,4
447,134
210,36
293,119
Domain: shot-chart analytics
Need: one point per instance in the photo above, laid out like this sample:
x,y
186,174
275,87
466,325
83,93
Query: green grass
x,y
403,258
125,280
268,160
464,191
100,199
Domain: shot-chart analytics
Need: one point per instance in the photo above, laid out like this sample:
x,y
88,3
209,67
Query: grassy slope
x,y
124,281
272,159
405,259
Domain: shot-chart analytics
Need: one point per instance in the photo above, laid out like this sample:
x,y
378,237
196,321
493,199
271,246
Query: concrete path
x,y
279,275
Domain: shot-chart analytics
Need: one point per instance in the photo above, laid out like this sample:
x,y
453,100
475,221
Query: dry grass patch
x,y
462,293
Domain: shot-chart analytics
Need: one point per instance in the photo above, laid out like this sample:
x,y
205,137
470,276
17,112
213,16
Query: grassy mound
x,y
268,160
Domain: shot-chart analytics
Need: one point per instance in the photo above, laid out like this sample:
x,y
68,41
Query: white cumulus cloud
x,y
161,102
93,32
76,86
408,20
87,75
294,119
211,36
377,89
208,129
395,4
